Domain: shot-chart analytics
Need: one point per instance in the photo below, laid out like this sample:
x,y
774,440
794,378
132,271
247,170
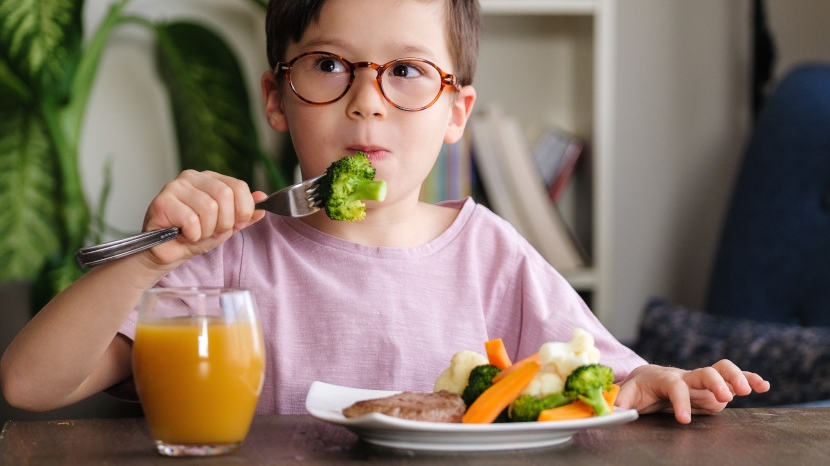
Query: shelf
x,y
541,69
542,61
583,280
532,7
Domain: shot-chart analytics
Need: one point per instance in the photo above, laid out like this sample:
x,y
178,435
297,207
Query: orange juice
x,y
198,378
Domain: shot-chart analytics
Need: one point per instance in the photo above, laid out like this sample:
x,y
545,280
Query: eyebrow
x,y
414,49
322,43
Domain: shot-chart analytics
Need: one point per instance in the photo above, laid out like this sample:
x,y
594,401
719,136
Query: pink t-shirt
x,y
392,318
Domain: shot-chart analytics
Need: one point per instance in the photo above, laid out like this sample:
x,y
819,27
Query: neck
x,y
390,225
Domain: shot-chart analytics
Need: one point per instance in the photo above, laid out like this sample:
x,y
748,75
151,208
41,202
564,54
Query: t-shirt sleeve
x,y
551,309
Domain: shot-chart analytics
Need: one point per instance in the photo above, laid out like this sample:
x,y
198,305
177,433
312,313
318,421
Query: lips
x,y
374,153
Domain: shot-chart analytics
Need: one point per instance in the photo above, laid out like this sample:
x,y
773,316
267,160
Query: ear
x,y
272,95
460,112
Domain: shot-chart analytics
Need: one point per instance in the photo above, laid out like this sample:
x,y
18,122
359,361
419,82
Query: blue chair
x,y
773,260
768,303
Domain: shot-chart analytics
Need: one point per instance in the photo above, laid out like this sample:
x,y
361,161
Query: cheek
x,y
431,131
424,140
313,138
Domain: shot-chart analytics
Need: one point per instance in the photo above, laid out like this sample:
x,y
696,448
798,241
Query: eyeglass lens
x,y
323,78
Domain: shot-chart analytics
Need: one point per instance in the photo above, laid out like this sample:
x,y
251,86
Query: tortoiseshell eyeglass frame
x,y
446,78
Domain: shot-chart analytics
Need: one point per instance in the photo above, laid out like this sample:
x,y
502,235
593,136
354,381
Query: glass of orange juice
x,y
198,363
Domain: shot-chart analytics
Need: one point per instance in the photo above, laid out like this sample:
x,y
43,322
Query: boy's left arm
x,y
707,390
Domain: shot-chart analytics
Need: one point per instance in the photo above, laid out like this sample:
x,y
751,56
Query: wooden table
x,y
735,436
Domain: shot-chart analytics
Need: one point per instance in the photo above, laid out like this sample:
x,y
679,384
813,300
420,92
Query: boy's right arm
x,y
71,349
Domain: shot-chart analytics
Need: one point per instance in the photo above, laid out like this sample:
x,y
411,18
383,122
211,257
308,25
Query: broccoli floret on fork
x,y
348,182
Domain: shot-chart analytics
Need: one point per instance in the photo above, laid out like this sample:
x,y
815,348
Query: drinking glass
x,y
198,363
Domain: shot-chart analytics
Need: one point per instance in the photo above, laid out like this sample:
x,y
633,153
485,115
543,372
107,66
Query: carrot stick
x,y
517,365
574,410
611,396
578,409
486,408
497,353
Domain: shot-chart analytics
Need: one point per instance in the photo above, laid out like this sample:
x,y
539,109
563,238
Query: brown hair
x,y
287,20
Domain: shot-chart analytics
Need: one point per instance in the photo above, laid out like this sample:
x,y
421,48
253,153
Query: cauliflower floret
x,y
559,360
566,357
454,378
544,383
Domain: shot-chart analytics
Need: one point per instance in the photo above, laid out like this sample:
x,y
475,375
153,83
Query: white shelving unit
x,y
548,62
554,7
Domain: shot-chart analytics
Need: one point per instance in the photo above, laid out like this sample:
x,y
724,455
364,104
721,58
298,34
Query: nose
x,y
365,96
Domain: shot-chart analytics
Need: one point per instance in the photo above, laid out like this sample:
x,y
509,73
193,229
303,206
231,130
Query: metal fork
x,y
297,200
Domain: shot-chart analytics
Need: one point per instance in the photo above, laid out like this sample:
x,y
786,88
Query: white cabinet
x,y
659,89
548,62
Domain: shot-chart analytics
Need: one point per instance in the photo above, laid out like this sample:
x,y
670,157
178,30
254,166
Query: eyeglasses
x,y
410,84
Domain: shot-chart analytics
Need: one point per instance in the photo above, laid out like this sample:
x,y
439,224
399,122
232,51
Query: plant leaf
x,y
209,97
12,89
27,184
41,41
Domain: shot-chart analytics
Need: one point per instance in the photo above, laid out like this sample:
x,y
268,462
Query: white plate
x,y
326,402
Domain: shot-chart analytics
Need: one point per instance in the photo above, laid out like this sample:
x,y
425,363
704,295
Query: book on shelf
x,y
556,154
515,189
452,175
487,158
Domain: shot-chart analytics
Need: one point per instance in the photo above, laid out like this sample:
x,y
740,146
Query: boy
x,y
382,303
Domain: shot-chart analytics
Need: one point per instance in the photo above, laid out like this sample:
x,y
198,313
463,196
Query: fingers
x,y
707,390
203,205
714,380
711,388
741,382
700,391
681,402
732,376
652,389
757,382
627,397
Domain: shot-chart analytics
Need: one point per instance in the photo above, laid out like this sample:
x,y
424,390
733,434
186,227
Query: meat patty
x,y
441,406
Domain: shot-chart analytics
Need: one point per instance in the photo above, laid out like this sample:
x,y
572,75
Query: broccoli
x,y
587,383
347,183
526,408
481,378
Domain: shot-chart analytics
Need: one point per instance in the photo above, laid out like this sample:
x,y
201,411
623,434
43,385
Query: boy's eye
x,y
405,70
330,65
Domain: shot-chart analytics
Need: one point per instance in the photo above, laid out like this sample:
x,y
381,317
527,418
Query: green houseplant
x,y
47,72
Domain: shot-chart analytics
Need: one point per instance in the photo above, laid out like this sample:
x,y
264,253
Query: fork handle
x,y
95,255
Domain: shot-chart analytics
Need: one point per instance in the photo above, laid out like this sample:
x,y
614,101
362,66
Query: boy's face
x,y
402,145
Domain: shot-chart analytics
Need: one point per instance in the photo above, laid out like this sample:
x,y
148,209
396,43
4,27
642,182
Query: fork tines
x,y
313,195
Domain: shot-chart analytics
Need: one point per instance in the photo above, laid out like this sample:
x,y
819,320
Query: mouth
x,y
374,153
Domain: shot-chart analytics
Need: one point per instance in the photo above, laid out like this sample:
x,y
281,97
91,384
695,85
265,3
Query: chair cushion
x,y
795,359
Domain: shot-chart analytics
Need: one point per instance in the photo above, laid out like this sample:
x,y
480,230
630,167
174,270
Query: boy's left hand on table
x,y
707,390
